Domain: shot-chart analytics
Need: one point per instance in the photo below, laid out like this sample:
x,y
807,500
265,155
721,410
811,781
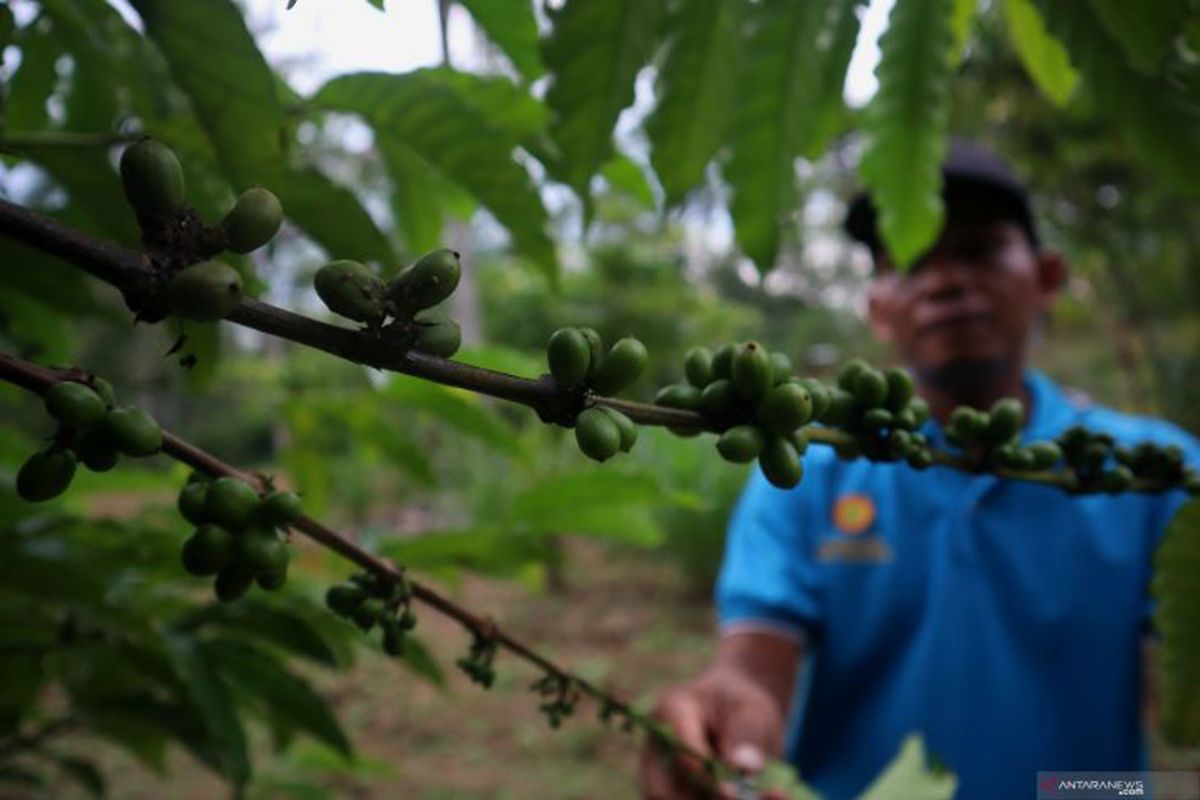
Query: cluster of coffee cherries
x,y
879,407
579,363
92,430
559,696
371,601
479,662
992,437
240,536
206,290
354,291
1099,464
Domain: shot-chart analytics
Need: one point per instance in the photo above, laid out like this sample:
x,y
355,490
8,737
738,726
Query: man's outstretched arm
x,y
734,710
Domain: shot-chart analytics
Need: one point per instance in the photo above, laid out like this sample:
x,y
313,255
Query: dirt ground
x,y
621,620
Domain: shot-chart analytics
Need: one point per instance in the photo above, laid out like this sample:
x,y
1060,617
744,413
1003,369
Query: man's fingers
x,y
750,735
666,775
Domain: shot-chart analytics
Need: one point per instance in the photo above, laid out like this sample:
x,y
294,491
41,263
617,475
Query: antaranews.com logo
x,y
1118,785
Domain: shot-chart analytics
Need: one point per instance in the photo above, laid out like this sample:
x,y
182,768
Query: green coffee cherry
x,y
877,418
352,290
45,475
595,347
905,419
272,581
345,598
1116,480
253,221
898,443
95,450
698,366
1004,421
133,431
369,613
785,408
191,502
781,367
751,371
841,407
722,363
569,356
920,410
597,434
152,178
205,292
620,367
848,374
428,282
870,388
209,550
74,404
920,458
628,428
260,550
818,393
966,425
231,503
393,638
1045,454
436,333
232,582
679,395
799,440
900,388
718,399
105,390
280,509
741,444
780,463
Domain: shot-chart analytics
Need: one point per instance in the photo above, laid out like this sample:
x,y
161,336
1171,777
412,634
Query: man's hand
x,y
735,711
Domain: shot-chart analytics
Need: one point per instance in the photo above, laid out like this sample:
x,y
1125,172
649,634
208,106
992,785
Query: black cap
x,y
969,171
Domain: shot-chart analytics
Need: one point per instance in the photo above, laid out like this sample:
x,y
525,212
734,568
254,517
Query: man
x,y
1001,620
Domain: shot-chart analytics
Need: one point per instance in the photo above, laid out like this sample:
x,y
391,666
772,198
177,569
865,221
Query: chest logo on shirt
x,y
853,513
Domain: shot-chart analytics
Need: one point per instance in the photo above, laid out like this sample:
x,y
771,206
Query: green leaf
x,y
697,87
8,26
417,195
1145,31
466,129
909,777
34,81
33,326
332,216
781,60
420,659
513,28
287,626
1177,620
623,175
404,453
960,24
94,189
83,772
836,44
906,126
1044,56
286,696
91,96
484,550
207,696
461,410
214,59
593,53
587,488
1160,121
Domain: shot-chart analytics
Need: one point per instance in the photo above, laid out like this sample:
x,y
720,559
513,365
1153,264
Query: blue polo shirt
x,y
1000,619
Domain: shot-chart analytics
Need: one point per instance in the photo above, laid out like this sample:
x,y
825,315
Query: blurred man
x,y
1002,620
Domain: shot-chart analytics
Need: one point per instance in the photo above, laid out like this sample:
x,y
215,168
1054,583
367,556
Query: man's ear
x,y
1052,276
880,300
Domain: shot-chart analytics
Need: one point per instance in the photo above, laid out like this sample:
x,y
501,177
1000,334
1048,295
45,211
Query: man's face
x,y
968,308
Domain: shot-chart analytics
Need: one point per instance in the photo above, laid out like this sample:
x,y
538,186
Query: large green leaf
x,y
909,776
1044,56
463,128
215,60
1161,122
31,86
91,99
332,216
286,697
781,60
593,53
485,550
836,43
1177,619
625,176
287,626
513,28
417,195
1145,31
696,89
906,126
211,702
462,411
